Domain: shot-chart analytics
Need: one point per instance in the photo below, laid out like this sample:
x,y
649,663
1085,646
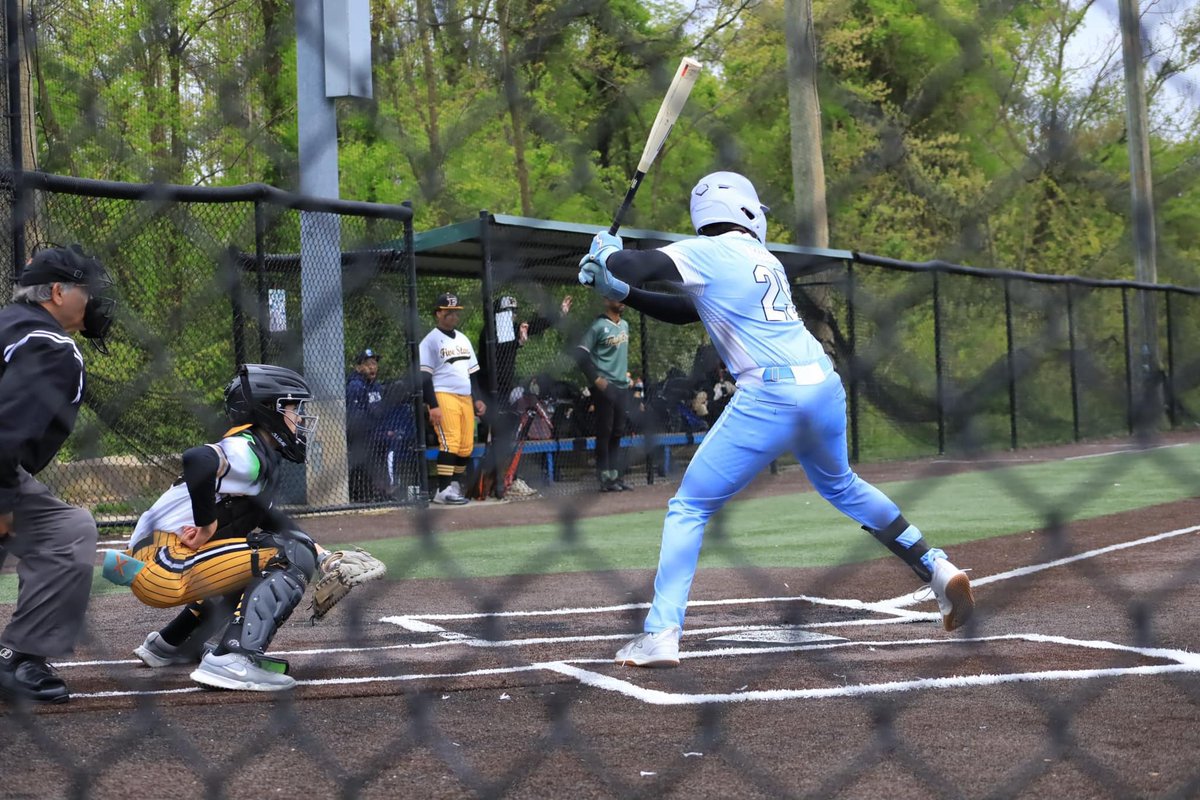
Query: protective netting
x,y
1003,394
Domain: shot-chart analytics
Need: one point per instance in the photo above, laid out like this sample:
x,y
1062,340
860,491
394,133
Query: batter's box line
x,y
1186,663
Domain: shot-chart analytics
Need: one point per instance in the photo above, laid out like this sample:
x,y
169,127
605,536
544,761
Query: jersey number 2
x,y
777,300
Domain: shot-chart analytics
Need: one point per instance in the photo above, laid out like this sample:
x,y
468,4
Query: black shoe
x,y
25,678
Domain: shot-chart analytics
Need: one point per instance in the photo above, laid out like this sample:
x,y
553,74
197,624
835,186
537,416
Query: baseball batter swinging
x,y
789,398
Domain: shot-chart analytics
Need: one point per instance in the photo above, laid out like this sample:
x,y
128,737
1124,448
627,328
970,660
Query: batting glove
x,y
593,273
604,245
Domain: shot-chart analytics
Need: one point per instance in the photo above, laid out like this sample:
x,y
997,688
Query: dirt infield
x,y
1079,680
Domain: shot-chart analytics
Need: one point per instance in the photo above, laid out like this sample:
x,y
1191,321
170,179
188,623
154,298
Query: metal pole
x,y
321,262
651,450
1012,367
852,362
1071,362
1128,360
12,14
1142,193
1169,382
939,367
412,322
260,270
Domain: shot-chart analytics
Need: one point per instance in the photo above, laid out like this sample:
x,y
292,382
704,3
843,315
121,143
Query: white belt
x,y
806,375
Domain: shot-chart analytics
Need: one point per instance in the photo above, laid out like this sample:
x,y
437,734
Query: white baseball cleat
x,y
659,649
449,497
952,589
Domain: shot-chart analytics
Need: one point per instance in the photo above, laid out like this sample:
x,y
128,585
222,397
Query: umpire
x,y
61,291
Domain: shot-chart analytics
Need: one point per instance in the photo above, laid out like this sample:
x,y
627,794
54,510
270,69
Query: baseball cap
x,y
61,265
447,301
365,354
506,302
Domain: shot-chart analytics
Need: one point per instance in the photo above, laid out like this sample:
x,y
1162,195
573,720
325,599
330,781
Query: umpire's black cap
x,y
60,265
447,301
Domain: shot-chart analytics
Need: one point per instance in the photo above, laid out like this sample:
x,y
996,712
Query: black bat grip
x,y
626,203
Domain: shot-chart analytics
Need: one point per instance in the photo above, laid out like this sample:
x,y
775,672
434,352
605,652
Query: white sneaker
x,y
952,589
659,649
238,671
455,488
448,497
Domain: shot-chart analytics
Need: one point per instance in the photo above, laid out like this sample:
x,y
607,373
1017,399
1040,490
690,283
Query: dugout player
x,y
215,544
60,291
788,398
449,381
603,356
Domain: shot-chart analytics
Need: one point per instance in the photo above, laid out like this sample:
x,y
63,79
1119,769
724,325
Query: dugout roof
x,y
554,248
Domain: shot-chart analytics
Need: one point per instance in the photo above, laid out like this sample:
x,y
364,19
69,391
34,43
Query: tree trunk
x,y
512,96
811,223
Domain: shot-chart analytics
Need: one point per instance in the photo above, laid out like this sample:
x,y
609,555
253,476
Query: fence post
x,y
260,271
1071,361
646,443
852,361
1128,360
1012,367
229,265
1169,378
939,367
411,322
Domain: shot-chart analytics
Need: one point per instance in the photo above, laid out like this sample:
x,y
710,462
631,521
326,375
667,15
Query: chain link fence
x,y
1005,407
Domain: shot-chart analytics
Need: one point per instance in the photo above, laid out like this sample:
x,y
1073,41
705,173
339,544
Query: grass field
x,y
802,530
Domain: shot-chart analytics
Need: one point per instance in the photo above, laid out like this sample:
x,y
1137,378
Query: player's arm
x,y
638,267
203,468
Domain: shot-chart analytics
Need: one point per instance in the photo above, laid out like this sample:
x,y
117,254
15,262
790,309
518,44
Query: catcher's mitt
x,y
337,573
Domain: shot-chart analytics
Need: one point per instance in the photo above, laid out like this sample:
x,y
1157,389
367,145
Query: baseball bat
x,y
668,112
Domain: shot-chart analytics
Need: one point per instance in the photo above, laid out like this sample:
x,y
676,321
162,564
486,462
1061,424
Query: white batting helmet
x,y
728,197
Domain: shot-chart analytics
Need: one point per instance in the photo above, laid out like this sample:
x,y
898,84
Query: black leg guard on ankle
x,y
910,550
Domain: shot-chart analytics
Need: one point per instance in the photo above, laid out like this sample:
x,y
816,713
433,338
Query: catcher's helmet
x,y
259,394
728,197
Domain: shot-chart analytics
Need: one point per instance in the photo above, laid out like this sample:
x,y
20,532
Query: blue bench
x,y
550,447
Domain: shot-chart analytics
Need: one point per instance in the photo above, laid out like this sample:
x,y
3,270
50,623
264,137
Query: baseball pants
x,y
762,422
56,545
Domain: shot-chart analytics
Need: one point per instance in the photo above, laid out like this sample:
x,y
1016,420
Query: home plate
x,y
778,636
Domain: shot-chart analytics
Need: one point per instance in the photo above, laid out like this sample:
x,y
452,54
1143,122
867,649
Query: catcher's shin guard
x,y
270,599
906,541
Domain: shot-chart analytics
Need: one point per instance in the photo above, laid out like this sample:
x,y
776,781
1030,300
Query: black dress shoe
x,y
30,679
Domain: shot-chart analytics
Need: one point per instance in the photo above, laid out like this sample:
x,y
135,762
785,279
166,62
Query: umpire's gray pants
x,y
56,545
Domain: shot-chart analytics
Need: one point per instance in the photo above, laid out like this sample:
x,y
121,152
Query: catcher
x,y
214,544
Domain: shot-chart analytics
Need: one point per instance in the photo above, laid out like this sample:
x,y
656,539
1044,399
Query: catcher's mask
x,y
72,265
261,395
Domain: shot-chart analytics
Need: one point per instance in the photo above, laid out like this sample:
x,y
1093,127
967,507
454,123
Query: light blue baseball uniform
x,y
789,399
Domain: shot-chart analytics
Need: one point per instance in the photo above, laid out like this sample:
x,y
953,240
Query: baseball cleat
x,y
448,497
239,672
659,649
155,652
952,589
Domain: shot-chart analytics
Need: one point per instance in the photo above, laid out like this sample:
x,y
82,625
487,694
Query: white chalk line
x,y
1187,662
1130,449
910,599
659,697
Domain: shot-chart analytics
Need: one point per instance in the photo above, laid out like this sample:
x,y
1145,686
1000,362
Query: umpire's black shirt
x,y
41,387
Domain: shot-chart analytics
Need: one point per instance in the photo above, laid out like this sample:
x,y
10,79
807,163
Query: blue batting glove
x,y
603,245
595,274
